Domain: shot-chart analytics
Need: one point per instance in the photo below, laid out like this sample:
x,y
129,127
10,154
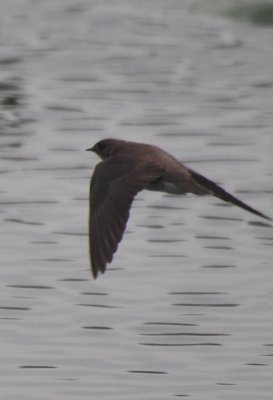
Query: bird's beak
x,y
91,149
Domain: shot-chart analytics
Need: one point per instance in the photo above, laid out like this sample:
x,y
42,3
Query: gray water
x,y
185,309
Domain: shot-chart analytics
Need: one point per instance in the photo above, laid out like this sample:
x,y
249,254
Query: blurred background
x,y
185,309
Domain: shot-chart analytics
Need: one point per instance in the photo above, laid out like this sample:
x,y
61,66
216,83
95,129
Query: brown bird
x,y
126,169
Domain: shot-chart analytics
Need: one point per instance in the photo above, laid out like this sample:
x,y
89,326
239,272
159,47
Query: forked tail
x,y
216,191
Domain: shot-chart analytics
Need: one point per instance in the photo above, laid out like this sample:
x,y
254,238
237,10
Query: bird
x,y
125,169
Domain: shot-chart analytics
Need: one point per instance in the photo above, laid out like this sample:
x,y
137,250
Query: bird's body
x,y
127,168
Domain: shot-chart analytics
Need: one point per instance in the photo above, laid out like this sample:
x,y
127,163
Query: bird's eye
x,y
100,146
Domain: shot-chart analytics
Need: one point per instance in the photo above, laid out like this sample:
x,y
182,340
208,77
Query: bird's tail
x,y
216,191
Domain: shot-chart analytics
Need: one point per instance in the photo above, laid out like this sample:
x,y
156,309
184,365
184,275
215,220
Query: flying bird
x,y
126,169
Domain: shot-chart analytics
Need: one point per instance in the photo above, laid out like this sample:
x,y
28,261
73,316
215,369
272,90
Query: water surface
x,y
185,310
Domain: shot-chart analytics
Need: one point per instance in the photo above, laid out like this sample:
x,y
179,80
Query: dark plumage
x,y
127,168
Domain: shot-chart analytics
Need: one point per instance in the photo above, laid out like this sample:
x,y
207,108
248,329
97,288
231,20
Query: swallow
x,y
126,169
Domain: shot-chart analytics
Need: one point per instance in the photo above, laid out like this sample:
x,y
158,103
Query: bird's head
x,y
104,148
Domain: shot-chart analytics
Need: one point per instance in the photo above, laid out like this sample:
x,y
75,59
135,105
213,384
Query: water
x,y
185,309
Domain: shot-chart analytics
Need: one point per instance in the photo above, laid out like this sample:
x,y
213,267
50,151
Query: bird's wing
x,y
210,187
113,187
